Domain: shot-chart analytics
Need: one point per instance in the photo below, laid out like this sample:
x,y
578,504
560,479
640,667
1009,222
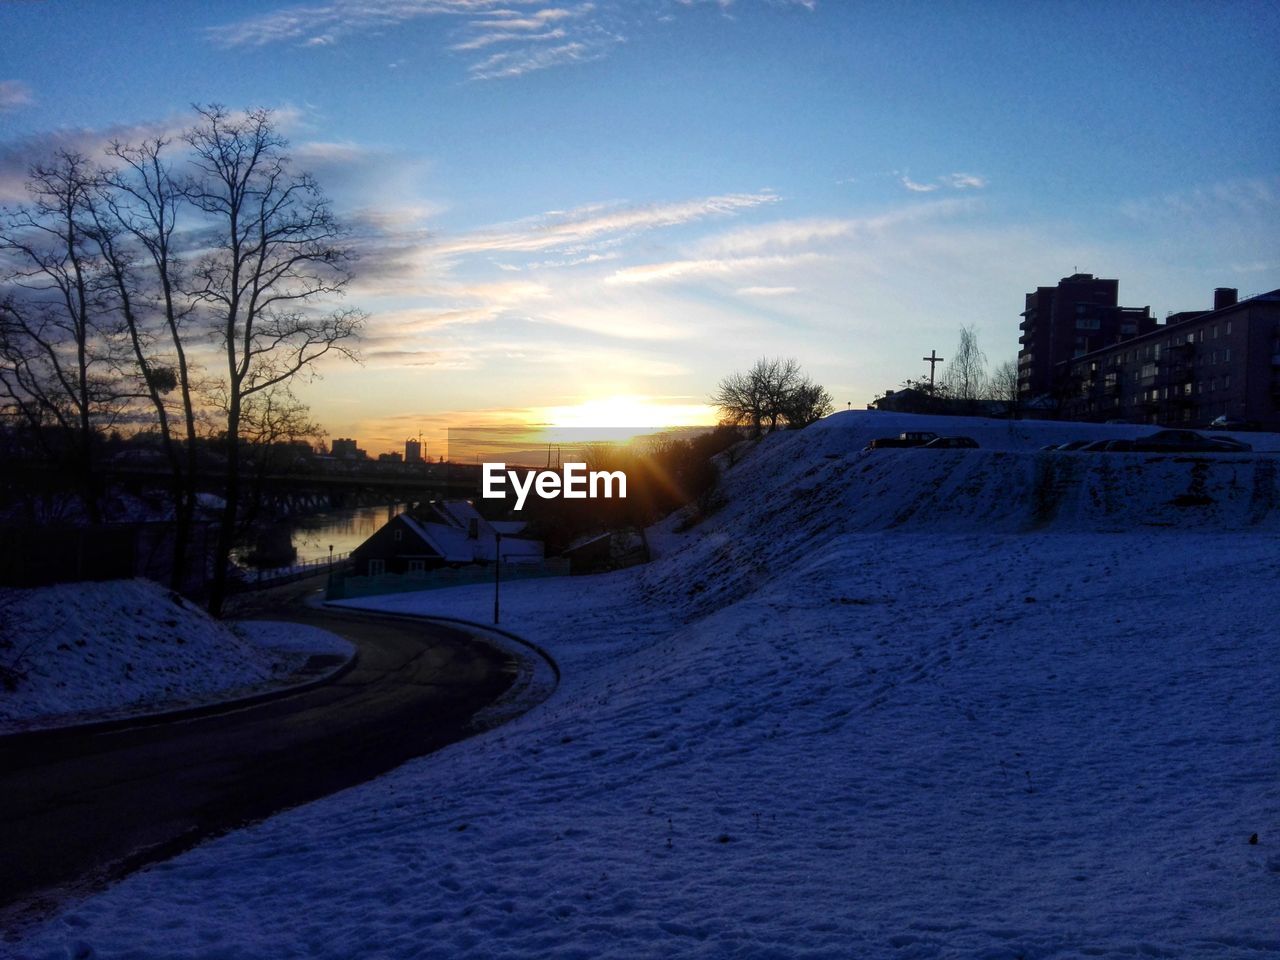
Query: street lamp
x,y
497,572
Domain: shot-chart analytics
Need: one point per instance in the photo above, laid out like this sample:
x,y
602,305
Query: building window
x,y
1215,331
1228,328
399,535
377,568
1226,355
1226,382
417,566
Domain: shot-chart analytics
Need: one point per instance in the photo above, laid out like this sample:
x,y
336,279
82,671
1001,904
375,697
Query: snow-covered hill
x,y
877,706
81,652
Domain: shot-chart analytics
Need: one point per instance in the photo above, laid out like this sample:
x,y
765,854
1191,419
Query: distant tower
x,y
413,451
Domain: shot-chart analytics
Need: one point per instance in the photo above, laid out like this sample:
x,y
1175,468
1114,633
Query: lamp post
x,y
331,558
497,572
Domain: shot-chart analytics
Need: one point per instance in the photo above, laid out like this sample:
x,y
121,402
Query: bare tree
x,y
741,402
1004,387
807,403
773,391
60,362
139,205
275,249
966,377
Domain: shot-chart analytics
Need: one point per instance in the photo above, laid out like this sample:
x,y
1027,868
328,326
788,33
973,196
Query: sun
x,y
622,417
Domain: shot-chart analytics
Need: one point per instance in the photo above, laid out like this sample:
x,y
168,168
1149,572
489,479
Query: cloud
x,y
702,269
1245,198
580,230
14,94
18,157
784,245
964,181
918,187
506,65
536,38
340,18
953,181
489,39
530,35
767,291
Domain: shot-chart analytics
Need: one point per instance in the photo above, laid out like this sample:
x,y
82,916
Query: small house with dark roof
x,y
444,534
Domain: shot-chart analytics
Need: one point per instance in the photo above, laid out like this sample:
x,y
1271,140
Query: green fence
x,y
343,586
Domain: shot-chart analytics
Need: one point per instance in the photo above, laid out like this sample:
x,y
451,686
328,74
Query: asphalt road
x,y
79,811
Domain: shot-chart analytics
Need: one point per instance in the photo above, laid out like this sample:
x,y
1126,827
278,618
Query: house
x,y
448,533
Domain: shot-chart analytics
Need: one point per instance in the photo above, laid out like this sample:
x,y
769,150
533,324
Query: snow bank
x,y
805,733
88,651
293,637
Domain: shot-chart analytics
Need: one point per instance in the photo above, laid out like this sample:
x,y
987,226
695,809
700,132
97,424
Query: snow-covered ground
x,y
990,703
91,651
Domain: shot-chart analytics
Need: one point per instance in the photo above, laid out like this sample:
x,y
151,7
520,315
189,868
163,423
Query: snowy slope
x,y
92,651
808,732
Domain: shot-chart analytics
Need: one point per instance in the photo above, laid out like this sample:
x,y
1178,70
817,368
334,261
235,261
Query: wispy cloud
x,y
532,37
18,157
1229,199
783,245
918,187
767,291
952,181
727,5
505,38
14,94
516,63
340,18
575,230
964,181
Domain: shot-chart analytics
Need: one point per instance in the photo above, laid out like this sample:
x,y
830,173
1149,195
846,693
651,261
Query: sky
x,y
593,211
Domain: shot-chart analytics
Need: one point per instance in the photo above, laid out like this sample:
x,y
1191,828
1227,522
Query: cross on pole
x,y
933,360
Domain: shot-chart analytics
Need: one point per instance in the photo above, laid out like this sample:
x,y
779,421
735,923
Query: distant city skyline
x,y
594,211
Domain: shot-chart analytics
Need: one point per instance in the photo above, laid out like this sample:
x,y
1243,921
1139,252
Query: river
x,y
344,529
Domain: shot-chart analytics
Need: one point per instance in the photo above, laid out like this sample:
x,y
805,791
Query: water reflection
x,y
345,529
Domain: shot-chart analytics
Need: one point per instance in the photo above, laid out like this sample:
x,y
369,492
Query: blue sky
x,y
563,203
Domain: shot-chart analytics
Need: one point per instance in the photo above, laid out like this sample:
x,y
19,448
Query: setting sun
x,y
627,416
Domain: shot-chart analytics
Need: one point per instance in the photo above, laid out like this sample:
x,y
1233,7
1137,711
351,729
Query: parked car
x,y
1231,423
908,438
1108,446
1232,444
1180,441
952,443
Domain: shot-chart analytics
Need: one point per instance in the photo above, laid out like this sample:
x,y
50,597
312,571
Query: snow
x,y
293,637
96,651
898,703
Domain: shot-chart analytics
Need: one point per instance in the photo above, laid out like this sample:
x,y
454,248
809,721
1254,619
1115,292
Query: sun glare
x,y
624,417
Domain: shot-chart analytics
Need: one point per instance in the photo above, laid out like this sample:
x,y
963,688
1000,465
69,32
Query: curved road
x,y
82,809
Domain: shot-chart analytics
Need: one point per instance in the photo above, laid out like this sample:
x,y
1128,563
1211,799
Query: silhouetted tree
x,y
60,343
773,391
966,376
807,403
275,248
139,203
1004,387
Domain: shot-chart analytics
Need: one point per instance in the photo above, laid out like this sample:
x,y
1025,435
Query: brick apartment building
x,y
1197,366
1078,316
